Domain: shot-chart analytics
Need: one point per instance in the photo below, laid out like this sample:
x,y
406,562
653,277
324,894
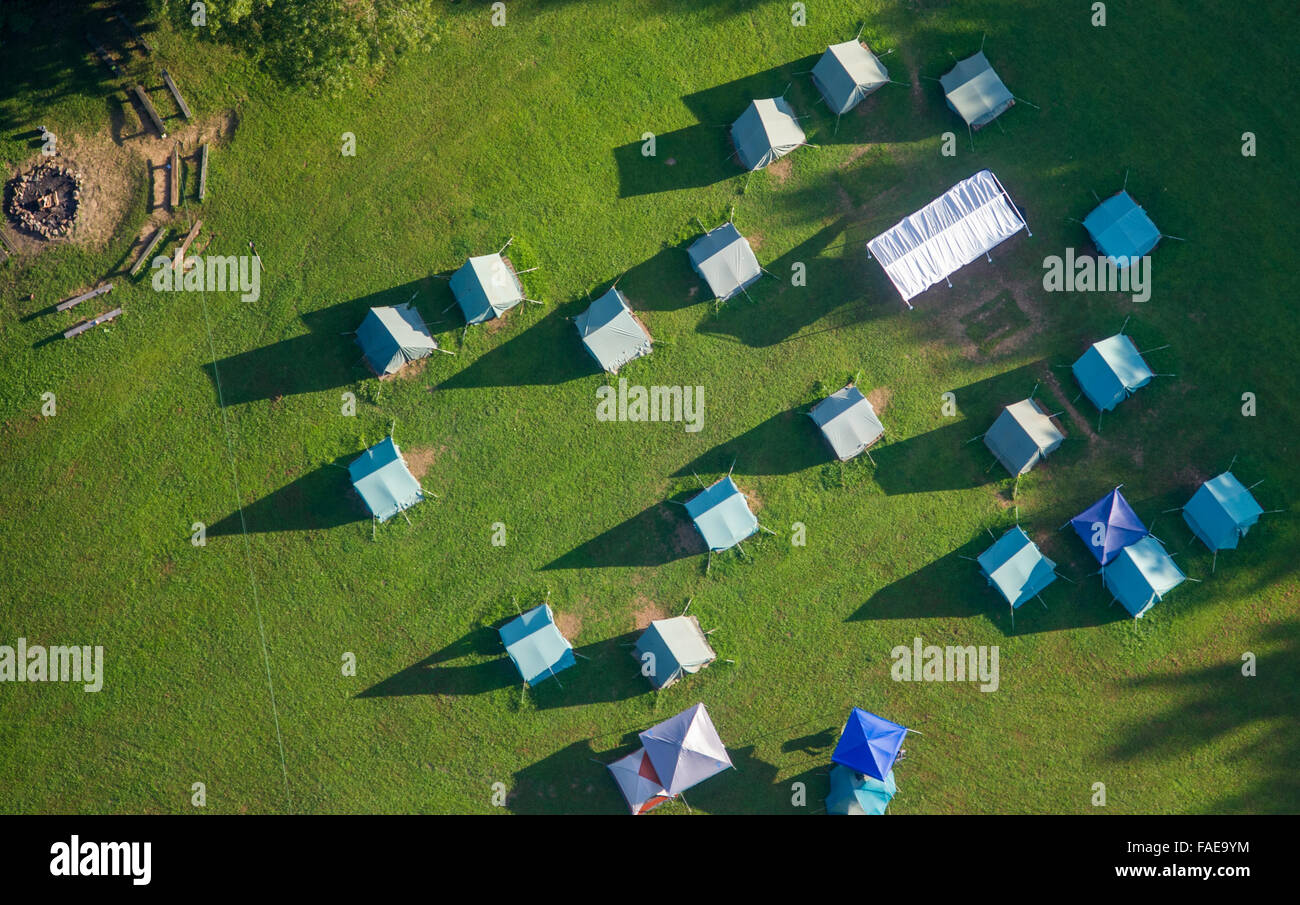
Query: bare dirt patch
x,y
419,459
781,170
645,612
569,624
113,164
879,399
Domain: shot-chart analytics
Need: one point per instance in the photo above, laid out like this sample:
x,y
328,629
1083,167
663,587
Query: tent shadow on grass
x,y
786,443
952,587
948,457
547,353
321,499
430,676
569,782
321,359
659,535
1216,702
779,310
606,672
683,159
750,788
664,282
595,679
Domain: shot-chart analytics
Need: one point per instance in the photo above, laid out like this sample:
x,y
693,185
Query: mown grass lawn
x,y
534,130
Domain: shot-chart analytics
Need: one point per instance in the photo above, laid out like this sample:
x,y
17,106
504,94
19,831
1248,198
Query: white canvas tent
x,y
968,220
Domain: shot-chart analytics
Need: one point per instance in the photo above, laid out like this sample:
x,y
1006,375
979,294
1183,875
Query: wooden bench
x,y
176,93
148,250
64,306
148,108
93,322
139,39
203,171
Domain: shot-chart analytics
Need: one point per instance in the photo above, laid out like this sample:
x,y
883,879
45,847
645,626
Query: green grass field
x,y
533,130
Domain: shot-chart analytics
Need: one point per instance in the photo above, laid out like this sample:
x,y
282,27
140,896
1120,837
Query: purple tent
x,y
1108,526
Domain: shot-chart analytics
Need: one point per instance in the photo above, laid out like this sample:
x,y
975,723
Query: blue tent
x,y
1221,512
724,258
722,515
1110,371
392,337
1016,567
869,744
486,287
536,645
855,794
1121,229
386,485
1108,526
1142,574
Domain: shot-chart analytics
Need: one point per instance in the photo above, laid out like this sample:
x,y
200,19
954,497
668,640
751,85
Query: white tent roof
x,y
963,223
726,261
848,421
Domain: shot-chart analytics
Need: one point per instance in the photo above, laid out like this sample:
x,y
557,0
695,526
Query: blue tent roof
x,y
1110,371
1016,567
1221,512
1108,525
381,477
855,794
722,515
869,744
535,645
1121,229
1142,574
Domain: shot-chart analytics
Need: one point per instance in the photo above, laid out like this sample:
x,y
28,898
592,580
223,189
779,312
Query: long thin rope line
x,y
248,549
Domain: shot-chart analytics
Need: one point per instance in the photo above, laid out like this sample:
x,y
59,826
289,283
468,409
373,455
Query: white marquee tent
x,y
968,220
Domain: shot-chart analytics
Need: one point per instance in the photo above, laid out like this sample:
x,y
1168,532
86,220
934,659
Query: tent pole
x,y
1214,564
1233,462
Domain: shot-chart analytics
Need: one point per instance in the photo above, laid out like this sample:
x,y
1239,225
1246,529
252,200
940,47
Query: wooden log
x,y
148,250
139,39
93,322
184,246
176,93
203,171
103,54
174,180
64,306
148,108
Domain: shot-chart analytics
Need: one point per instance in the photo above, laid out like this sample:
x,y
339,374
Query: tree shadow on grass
x,y
659,535
324,358
786,443
319,500
1217,702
